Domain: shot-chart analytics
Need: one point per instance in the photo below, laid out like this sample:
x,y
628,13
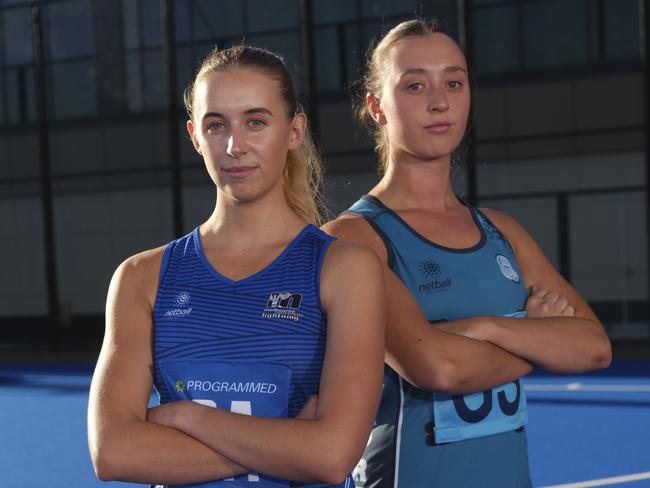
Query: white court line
x,y
604,481
586,387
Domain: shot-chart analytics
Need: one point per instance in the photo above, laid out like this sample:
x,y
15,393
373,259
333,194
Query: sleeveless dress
x,y
434,439
253,346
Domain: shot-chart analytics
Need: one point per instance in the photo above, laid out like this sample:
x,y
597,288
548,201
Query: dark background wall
x,y
95,164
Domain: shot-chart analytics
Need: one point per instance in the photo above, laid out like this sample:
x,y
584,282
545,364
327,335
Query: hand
x,y
545,303
309,409
169,414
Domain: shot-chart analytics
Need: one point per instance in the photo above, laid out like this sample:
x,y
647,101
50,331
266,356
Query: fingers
x,y
546,303
561,303
569,311
537,292
552,298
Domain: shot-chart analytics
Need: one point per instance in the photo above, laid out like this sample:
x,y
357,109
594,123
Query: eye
x,y
414,86
454,84
256,123
215,126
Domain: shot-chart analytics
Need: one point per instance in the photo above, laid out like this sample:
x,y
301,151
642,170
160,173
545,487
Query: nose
x,y
438,101
235,147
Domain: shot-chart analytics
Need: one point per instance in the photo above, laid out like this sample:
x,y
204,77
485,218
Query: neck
x,y
266,220
410,184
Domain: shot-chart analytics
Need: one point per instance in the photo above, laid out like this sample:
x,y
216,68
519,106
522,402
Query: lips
x,y
239,172
439,127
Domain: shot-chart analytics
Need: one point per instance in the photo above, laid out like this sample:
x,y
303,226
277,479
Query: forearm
x,y
144,452
561,344
441,361
294,449
484,365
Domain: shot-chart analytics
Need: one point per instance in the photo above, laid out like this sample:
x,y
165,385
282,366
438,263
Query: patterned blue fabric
x,y
220,341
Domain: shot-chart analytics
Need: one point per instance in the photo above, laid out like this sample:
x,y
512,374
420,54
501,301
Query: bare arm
x,y
123,444
325,448
569,342
429,358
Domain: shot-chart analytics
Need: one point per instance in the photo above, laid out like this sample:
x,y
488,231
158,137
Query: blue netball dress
x,y
430,439
253,346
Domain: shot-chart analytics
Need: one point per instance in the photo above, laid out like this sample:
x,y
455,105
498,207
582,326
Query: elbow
x,y
103,465
335,468
602,354
338,456
443,375
107,461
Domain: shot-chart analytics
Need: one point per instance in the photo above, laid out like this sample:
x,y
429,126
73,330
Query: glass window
x,y
17,37
184,70
154,80
2,99
372,32
495,40
488,2
13,109
69,30
622,29
328,64
381,8
152,23
271,14
354,53
73,89
334,10
183,21
30,93
288,45
134,82
217,19
551,39
131,26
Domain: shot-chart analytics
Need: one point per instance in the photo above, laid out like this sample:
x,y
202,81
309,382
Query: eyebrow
x,y
420,71
250,111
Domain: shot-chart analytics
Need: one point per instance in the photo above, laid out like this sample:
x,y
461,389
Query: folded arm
x,y
325,448
429,358
566,336
123,444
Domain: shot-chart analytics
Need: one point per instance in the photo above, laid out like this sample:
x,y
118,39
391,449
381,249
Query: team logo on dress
x,y
435,282
182,309
283,305
180,386
430,269
183,299
506,268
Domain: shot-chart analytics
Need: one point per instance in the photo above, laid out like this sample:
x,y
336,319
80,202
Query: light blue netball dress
x,y
253,346
429,438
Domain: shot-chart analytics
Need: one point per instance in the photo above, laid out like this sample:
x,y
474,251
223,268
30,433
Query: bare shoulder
x,y
513,230
139,273
502,220
348,227
353,228
346,257
351,273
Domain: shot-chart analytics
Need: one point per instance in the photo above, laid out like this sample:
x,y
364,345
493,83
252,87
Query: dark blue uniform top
x,y
252,346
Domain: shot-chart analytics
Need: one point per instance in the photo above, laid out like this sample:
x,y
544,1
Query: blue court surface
x,y
588,430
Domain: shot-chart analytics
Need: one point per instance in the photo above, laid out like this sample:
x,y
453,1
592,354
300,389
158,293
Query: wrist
x,y
186,416
487,327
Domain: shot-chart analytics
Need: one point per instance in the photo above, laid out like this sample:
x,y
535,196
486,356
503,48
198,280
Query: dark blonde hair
x,y
371,82
303,170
